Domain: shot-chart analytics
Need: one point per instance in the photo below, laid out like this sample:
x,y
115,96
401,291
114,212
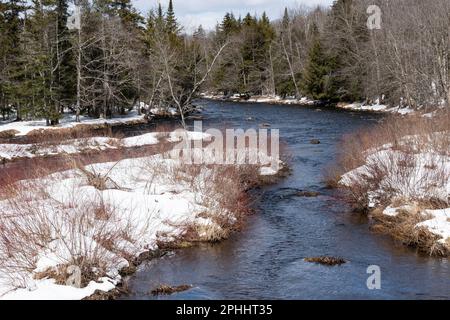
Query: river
x,y
266,259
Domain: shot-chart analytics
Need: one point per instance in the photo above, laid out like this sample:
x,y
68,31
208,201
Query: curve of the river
x,y
266,259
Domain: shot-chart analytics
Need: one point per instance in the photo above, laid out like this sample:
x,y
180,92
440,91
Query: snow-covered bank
x,y
355,106
376,107
406,185
260,99
73,146
22,128
94,221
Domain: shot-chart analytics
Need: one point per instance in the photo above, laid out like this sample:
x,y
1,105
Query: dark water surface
x,y
265,260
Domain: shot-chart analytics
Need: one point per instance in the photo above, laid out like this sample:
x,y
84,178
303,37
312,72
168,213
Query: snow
x,y
73,146
267,171
376,107
153,203
148,198
180,135
47,289
270,99
68,121
439,224
141,140
424,177
157,111
393,212
419,181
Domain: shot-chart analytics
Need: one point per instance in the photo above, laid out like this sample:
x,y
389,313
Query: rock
x,y
167,290
307,194
315,141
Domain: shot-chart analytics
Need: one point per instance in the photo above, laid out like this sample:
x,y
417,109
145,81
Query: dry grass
x,y
7,134
219,188
399,171
328,261
82,232
403,228
34,219
400,161
393,130
168,290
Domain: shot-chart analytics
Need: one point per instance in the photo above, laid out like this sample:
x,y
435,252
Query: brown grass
x,y
422,135
403,228
164,289
328,261
223,191
7,134
28,225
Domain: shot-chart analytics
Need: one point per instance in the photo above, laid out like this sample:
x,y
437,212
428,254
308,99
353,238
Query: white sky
x,y
192,13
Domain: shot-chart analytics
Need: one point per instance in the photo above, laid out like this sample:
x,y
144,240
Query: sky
x,y
192,13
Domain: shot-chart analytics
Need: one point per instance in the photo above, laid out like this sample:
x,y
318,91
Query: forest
x,y
103,57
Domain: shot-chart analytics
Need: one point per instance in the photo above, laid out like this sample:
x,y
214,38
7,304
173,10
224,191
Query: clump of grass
x,y
328,261
100,181
7,134
307,194
168,290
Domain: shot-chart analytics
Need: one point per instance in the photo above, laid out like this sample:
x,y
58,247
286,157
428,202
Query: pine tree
x,y
160,14
13,55
286,19
65,82
172,25
318,78
127,13
249,21
266,29
229,25
348,31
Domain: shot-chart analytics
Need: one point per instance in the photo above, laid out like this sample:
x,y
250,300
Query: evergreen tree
x,y
128,14
172,25
13,55
160,14
65,81
318,77
229,25
348,34
286,19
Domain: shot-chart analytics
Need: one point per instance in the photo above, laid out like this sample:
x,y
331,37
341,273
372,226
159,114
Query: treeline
x,y
331,54
113,58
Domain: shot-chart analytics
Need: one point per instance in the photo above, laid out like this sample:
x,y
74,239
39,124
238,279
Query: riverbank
x,y
260,99
13,152
400,173
354,106
76,233
375,107
68,125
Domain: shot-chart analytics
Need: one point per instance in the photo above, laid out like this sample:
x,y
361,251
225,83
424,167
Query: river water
x,y
265,260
